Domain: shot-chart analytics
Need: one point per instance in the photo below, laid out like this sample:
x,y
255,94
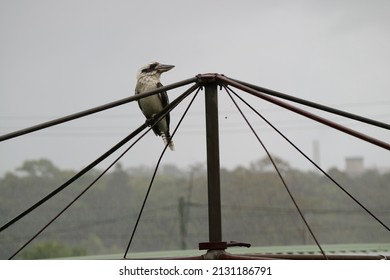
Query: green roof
x,y
373,249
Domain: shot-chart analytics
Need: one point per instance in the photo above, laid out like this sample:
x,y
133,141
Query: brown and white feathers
x,y
148,78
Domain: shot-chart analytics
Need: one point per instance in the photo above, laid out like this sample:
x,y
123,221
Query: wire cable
x,y
153,177
279,174
161,114
312,162
158,117
79,195
75,177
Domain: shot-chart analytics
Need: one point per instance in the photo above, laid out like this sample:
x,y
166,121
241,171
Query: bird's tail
x,y
167,141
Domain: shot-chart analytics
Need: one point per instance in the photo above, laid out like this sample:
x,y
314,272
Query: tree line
x,y
256,208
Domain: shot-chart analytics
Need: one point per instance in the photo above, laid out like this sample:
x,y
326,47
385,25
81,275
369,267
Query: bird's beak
x,y
164,67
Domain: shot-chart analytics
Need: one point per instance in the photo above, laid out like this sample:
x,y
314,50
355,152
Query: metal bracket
x,y
207,78
221,245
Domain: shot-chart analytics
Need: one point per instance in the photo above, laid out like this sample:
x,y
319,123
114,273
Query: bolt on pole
x,y
213,168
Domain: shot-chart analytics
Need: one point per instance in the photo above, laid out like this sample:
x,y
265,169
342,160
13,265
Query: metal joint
x,y
238,244
208,78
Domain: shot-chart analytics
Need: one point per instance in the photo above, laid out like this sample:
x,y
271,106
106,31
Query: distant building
x,y
354,166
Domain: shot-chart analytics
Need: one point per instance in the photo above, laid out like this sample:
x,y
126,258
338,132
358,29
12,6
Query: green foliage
x,y
255,207
39,168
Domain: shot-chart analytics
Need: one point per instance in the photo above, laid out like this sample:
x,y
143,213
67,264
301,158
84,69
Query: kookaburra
x,y
148,78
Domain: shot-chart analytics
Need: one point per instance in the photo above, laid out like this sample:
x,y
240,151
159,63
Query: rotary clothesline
x,y
200,81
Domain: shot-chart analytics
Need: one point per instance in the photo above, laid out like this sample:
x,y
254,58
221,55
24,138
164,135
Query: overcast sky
x,y
61,57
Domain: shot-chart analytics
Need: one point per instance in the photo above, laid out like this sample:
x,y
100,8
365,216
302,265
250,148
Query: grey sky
x,y
61,57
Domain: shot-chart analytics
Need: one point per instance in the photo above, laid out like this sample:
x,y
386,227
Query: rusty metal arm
x,y
315,105
228,81
95,110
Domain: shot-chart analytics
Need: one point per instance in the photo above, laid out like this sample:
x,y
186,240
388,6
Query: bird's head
x,y
153,69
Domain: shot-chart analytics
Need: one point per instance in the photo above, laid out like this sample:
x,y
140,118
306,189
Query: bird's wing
x,y
139,103
165,101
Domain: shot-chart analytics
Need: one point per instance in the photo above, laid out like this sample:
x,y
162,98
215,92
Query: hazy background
x,y
61,57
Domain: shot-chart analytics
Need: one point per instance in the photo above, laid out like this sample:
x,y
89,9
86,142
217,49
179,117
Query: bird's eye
x,y
150,68
153,66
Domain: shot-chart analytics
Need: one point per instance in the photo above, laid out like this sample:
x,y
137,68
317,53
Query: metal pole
x,y
95,110
213,170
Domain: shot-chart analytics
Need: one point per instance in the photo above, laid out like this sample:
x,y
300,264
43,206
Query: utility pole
x,y
184,205
183,208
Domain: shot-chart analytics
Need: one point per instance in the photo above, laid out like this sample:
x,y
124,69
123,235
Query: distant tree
x,y
339,176
265,164
256,207
39,168
119,177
